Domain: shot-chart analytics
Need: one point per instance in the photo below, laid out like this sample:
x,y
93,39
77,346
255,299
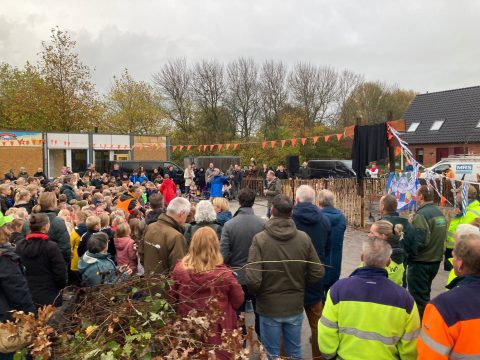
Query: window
x,y
413,127
437,125
419,155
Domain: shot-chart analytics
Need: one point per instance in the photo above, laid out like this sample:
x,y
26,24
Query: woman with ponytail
x,y
22,199
46,271
393,234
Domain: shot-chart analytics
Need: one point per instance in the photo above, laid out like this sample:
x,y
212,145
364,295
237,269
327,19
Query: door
x,y
102,159
79,160
442,153
419,155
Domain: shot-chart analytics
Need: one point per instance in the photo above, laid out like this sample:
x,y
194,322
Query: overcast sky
x,y
424,45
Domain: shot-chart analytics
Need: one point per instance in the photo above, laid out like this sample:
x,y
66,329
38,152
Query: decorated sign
x,y
18,138
404,187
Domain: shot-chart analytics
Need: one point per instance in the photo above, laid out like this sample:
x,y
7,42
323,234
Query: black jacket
x,y
68,191
58,233
3,204
82,247
14,292
45,268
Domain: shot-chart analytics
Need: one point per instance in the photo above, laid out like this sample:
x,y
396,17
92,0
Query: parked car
x,y
330,168
465,167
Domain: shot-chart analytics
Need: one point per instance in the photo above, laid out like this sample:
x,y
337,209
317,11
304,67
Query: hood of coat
x,y
8,250
281,229
153,215
168,182
89,258
121,243
334,215
307,213
223,217
33,245
81,229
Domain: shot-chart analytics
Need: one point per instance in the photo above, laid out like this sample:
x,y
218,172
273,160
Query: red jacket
x,y
192,291
125,253
168,190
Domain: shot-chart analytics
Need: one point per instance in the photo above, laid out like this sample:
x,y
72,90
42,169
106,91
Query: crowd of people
x,y
92,229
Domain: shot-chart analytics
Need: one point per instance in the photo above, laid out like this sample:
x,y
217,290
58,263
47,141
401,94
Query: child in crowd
x,y
107,229
93,226
67,217
222,208
126,253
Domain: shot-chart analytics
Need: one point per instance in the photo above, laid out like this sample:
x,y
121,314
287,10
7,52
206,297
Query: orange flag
x,y
315,139
205,148
212,147
174,148
349,131
272,143
264,143
199,147
293,141
235,146
339,136
398,150
227,146
282,142
304,140
189,147
181,147
220,146
326,137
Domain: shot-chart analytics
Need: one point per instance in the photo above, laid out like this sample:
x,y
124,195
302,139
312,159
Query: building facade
x,y
443,123
52,151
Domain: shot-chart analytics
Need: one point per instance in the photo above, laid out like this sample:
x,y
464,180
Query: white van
x,y
465,167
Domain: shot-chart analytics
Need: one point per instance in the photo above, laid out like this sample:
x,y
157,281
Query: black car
x,y
330,169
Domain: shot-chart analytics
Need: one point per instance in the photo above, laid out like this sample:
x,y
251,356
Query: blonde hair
x,y
21,194
81,217
4,188
104,219
4,236
221,203
204,252
92,221
47,200
386,228
123,230
64,214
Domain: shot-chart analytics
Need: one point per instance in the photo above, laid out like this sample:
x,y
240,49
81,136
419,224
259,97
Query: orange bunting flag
x,y
227,146
189,147
205,148
443,201
174,148
398,150
220,146
264,143
293,141
326,137
235,146
212,147
282,142
272,144
304,140
199,147
315,139
349,131
181,147
339,136
118,147
389,135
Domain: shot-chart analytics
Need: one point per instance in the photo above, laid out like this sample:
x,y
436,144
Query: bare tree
x,y
244,95
348,81
274,93
174,83
314,90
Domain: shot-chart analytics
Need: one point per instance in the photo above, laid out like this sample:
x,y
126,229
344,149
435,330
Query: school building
x,y
52,151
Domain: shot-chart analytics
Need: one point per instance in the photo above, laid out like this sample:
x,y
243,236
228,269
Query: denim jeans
x,y
273,328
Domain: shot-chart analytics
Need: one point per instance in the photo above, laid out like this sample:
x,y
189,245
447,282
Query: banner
x,y
404,187
20,138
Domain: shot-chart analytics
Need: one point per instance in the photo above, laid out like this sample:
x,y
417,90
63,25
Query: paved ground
x,y
351,259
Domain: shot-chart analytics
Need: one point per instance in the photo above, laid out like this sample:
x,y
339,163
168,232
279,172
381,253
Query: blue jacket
x,y
333,258
310,219
95,268
223,217
216,185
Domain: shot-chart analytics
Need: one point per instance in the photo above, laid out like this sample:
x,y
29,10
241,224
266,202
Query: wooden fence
x,y
347,193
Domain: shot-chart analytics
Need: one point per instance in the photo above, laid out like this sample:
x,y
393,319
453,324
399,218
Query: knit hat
x,y
5,219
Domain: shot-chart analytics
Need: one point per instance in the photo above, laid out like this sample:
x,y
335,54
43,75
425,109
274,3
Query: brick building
x,y
443,123
51,151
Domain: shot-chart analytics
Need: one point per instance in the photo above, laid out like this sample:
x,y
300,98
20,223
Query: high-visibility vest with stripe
x,y
473,212
367,316
451,323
